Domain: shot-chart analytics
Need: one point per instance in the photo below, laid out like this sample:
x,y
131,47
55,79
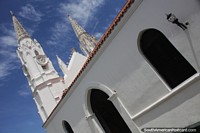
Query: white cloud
x,y
8,62
9,38
24,91
98,35
29,12
82,10
30,31
7,52
59,30
6,67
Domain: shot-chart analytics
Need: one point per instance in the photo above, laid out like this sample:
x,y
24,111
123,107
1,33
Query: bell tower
x,y
46,85
87,42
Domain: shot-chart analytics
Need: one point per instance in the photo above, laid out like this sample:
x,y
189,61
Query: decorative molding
x,y
113,96
89,116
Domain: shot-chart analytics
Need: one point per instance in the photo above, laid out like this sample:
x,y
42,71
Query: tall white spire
x,y
20,31
46,85
87,42
77,28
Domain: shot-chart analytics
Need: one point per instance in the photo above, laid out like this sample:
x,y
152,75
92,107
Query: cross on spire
x,y
11,13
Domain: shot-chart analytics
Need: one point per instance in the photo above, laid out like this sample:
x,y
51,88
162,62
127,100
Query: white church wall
x,y
122,68
57,89
71,111
48,101
137,23
179,110
138,74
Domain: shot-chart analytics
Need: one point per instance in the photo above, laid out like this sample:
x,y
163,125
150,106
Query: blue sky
x,y
47,22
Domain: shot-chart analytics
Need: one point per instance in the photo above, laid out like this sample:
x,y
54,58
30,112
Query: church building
x,y
143,75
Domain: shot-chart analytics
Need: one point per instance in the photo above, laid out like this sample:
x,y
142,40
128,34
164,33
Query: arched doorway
x,y
165,58
67,128
106,113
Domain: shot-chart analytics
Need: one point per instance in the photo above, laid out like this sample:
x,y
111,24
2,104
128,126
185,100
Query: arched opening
x,y
106,113
67,127
36,52
165,58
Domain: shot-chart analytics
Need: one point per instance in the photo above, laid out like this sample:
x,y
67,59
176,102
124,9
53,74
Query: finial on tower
x,y
11,13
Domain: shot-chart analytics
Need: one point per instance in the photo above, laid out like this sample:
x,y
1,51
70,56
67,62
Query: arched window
x,y
106,113
165,58
67,127
36,52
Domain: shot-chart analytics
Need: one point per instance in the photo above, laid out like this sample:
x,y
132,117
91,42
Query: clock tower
x,y
46,85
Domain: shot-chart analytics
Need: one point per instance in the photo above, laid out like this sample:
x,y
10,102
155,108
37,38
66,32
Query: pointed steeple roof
x,y
77,28
87,42
19,29
62,65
